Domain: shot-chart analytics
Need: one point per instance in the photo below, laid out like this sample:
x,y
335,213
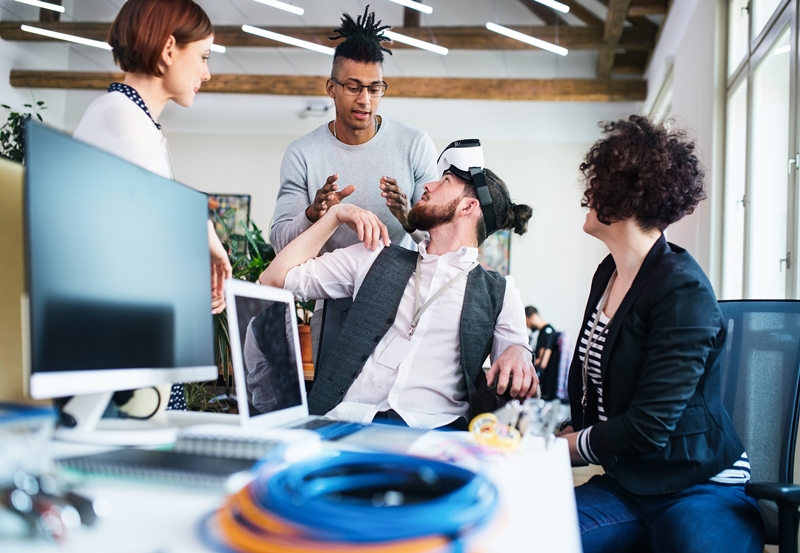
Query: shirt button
x,y
389,321
341,392
364,358
377,339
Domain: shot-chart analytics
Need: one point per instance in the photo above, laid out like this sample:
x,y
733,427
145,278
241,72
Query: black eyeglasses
x,y
354,89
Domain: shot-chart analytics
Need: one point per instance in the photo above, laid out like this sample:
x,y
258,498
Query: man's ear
x,y
168,52
329,87
470,206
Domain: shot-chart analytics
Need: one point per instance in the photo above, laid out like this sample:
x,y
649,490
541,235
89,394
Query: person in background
x,y
163,47
644,385
412,347
543,352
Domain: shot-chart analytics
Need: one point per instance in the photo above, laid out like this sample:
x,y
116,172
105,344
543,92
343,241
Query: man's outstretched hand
x,y
327,196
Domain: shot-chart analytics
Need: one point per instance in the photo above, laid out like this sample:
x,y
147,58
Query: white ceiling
x,y
549,121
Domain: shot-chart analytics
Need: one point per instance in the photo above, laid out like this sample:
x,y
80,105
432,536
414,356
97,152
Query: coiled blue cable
x,y
364,497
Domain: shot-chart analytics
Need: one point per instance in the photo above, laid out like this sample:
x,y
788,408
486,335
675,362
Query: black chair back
x,y
761,388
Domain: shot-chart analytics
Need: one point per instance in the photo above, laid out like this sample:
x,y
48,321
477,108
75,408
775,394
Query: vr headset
x,y
464,159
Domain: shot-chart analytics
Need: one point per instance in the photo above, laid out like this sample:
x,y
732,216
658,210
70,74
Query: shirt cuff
x,y
585,449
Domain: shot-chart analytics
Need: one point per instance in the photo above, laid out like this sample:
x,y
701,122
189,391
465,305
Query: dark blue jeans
x,y
705,518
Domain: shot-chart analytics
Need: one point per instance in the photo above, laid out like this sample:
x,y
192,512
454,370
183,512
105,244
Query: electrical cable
x,y
358,502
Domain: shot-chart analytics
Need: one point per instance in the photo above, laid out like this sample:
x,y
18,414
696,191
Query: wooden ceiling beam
x,y
547,15
641,8
411,17
582,13
572,90
454,38
48,16
630,63
614,27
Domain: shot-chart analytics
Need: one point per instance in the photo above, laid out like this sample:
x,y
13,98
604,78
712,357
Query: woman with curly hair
x,y
644,385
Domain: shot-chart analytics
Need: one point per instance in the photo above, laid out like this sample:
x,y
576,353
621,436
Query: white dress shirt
x,y
117,125
421,378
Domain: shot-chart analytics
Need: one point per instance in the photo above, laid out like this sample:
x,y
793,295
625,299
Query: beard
x,y
426,217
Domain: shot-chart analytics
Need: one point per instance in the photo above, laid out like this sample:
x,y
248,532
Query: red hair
x,y
142,27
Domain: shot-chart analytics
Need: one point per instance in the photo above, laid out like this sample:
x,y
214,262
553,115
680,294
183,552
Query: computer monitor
x,y
117,275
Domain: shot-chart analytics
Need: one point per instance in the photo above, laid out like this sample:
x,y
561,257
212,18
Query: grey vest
x,y
372,315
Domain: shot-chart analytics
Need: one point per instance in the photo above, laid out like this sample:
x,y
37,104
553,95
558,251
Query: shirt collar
x,y
463,254
131,93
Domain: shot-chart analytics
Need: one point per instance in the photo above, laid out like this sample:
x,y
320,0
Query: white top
x,y
117,125
421,378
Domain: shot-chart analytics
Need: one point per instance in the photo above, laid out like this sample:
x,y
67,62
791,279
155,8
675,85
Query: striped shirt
x,y
739,473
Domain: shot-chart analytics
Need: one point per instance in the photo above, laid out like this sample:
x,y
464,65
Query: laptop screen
x,y
263,331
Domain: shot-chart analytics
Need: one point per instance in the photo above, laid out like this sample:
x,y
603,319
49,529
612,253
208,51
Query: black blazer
x,y
666,428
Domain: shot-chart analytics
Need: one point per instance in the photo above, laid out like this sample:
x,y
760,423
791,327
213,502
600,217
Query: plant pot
x,y
306,351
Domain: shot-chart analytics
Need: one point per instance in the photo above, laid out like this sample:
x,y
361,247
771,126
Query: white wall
x,y
689,41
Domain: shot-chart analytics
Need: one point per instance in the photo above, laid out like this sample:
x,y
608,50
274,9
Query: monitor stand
x,y
86,412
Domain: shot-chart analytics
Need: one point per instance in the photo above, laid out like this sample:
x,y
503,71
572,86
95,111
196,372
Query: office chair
x,y
761,392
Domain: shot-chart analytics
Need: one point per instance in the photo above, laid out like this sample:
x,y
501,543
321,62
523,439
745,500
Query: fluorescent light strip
x,y
417,43
218,48
510,33
419,6
45,5
287,39
282,6
558,6
68,38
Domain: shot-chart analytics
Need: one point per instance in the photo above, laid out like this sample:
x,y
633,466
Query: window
x,y
759,220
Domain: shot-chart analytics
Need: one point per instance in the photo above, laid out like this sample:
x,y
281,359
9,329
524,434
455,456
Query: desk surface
x,y
537,511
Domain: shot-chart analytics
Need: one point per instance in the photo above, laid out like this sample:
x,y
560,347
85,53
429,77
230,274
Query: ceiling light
x,y
218,48
417,43
510,33
419,6
782,50
64,36
45,5
282,6
558,6
288,39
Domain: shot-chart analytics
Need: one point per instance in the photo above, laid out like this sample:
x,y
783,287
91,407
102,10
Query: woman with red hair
x,y
163,47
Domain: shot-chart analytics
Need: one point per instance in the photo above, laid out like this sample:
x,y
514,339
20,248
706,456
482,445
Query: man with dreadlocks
x,y
381,162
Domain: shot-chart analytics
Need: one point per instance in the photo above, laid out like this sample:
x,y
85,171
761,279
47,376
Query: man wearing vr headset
x,y
413,344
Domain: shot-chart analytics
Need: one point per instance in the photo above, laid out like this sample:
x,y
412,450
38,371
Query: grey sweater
x,y
397,150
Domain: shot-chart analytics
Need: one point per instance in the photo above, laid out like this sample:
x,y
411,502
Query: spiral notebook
x,y
170,467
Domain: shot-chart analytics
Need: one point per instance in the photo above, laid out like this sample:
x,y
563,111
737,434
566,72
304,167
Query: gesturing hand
x,y
369,228
396,201
326,197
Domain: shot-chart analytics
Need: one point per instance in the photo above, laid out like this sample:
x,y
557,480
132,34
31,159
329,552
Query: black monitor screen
x,y
117,262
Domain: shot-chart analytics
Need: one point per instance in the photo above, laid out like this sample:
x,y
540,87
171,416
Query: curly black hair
x,y
508,215
644,171
363,38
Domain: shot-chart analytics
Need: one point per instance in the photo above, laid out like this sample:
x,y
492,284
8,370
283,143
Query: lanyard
x,y
592,339
421,309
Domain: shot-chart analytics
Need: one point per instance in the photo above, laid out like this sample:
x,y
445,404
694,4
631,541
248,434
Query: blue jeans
x,y
705,518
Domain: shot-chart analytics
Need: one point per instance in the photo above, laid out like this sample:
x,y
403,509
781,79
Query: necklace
x,y
377,125
593,338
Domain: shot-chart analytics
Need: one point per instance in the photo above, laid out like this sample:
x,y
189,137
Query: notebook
x,y
268,371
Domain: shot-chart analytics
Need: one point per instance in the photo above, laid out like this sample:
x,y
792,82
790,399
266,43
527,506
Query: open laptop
x,y
267,364
268,371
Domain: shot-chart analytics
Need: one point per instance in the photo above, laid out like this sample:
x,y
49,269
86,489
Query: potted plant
x,y
11,142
